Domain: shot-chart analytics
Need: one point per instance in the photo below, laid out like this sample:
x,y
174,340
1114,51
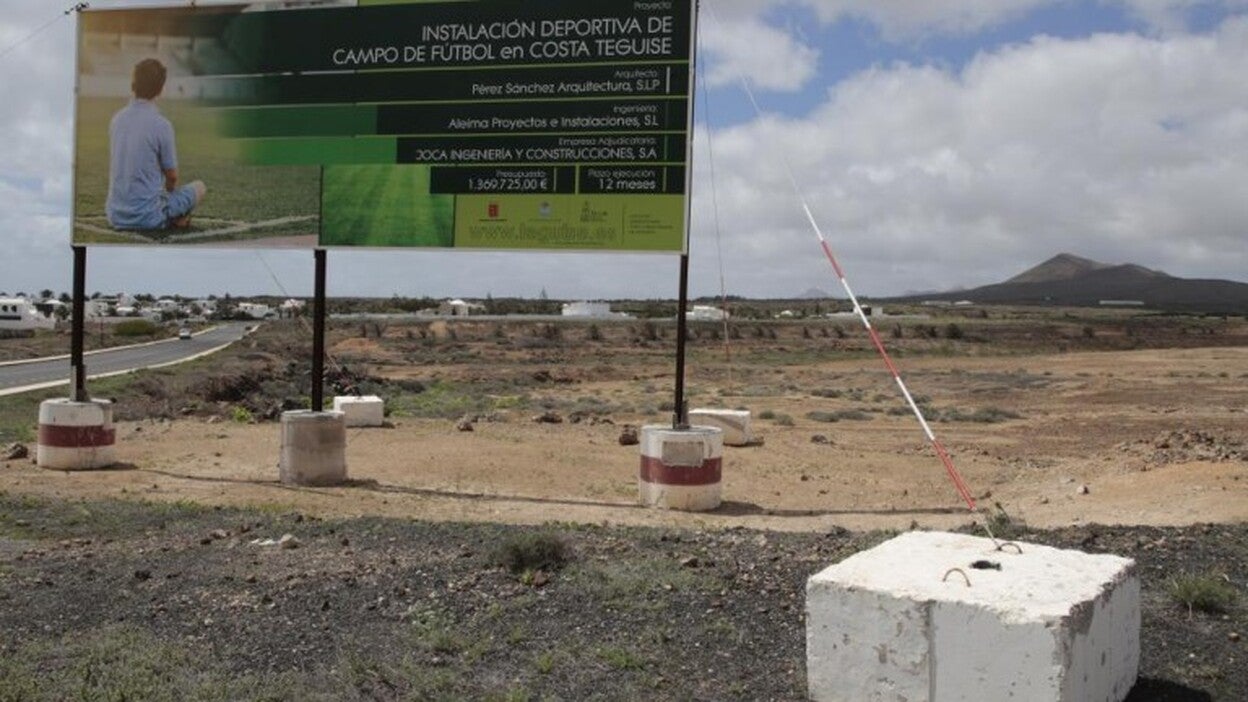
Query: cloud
x,y
1116,146
908,19
1170,16
1119,147
744,45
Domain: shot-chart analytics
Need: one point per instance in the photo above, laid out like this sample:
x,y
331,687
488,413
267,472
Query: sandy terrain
x,y
1157,437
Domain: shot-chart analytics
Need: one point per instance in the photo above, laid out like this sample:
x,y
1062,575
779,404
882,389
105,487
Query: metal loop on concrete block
x,y
1018,549
961,572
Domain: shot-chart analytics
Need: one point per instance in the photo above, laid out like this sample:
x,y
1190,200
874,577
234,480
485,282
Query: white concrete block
x,y
76,435
734,423
366,411
1048,626
314,448
681,470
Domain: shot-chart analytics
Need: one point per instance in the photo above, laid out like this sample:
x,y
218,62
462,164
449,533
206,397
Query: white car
x,y
184,333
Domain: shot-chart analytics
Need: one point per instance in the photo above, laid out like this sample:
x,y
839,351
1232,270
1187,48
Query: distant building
x,y
292,308
20,314
867,310
459,308
255,310
99,307
587,309
706,313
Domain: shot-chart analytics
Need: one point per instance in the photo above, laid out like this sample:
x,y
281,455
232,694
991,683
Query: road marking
x,y
98,376
41,359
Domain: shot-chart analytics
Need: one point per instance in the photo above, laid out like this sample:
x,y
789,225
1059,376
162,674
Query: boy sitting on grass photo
x,y
143,190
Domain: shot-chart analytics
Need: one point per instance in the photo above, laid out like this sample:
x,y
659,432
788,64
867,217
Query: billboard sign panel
x,y
466,124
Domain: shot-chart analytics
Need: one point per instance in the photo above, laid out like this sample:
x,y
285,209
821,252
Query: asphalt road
x,y
48,373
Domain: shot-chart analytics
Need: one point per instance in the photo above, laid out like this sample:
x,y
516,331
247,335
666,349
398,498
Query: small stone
x,y
289,541
540,579
690,562
13,452
219,534
464,424
628,436
1044,500
1233,636
1083,490
143,574
250,579
548,417
820,439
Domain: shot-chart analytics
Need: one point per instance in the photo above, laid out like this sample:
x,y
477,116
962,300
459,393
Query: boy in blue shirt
x,y
143,190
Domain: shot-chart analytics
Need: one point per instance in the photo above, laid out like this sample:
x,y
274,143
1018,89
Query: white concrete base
x,y
734,423
76,435
314,448
1049,626
681,470
366,411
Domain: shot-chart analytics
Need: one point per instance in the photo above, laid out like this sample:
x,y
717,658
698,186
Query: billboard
x,y
463,124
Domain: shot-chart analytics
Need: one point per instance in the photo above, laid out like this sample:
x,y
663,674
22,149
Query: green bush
x,y
1211,594
530,551
848,415
135,327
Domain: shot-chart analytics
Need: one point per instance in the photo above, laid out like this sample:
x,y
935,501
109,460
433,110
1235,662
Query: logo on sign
x,y
590,215
492,210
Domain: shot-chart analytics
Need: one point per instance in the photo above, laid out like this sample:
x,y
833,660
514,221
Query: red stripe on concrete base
x,y
654,470
76,437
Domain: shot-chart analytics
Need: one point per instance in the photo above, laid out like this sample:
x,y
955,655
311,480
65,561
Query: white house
x,y
20,314
255,310
459,308
706,313
99,307
292,308
587,309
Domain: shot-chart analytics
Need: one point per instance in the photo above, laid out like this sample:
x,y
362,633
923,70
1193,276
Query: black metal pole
x,y
680,415
78,391
318,335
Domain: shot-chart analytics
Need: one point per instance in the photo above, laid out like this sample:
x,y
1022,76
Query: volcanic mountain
x,y
1069,280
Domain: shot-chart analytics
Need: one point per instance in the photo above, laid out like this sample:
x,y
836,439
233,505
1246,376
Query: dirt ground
x,y
1150,437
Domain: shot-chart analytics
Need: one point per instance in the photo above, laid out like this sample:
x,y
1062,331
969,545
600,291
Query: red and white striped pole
x,y
954,475
958,483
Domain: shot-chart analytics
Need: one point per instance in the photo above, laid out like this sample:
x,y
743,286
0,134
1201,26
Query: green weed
x,y
1210,594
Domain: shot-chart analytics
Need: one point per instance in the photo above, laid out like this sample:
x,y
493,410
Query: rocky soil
x,y
127,600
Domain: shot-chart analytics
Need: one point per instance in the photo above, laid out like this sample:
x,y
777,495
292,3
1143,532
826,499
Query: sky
x,y
938,144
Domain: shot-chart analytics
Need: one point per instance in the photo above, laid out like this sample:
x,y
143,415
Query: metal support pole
x,y
78,383
318,335
680,415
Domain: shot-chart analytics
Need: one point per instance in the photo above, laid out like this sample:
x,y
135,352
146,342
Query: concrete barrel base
x,y
314,448
681,470
366,411
76,435
929,617
735,423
